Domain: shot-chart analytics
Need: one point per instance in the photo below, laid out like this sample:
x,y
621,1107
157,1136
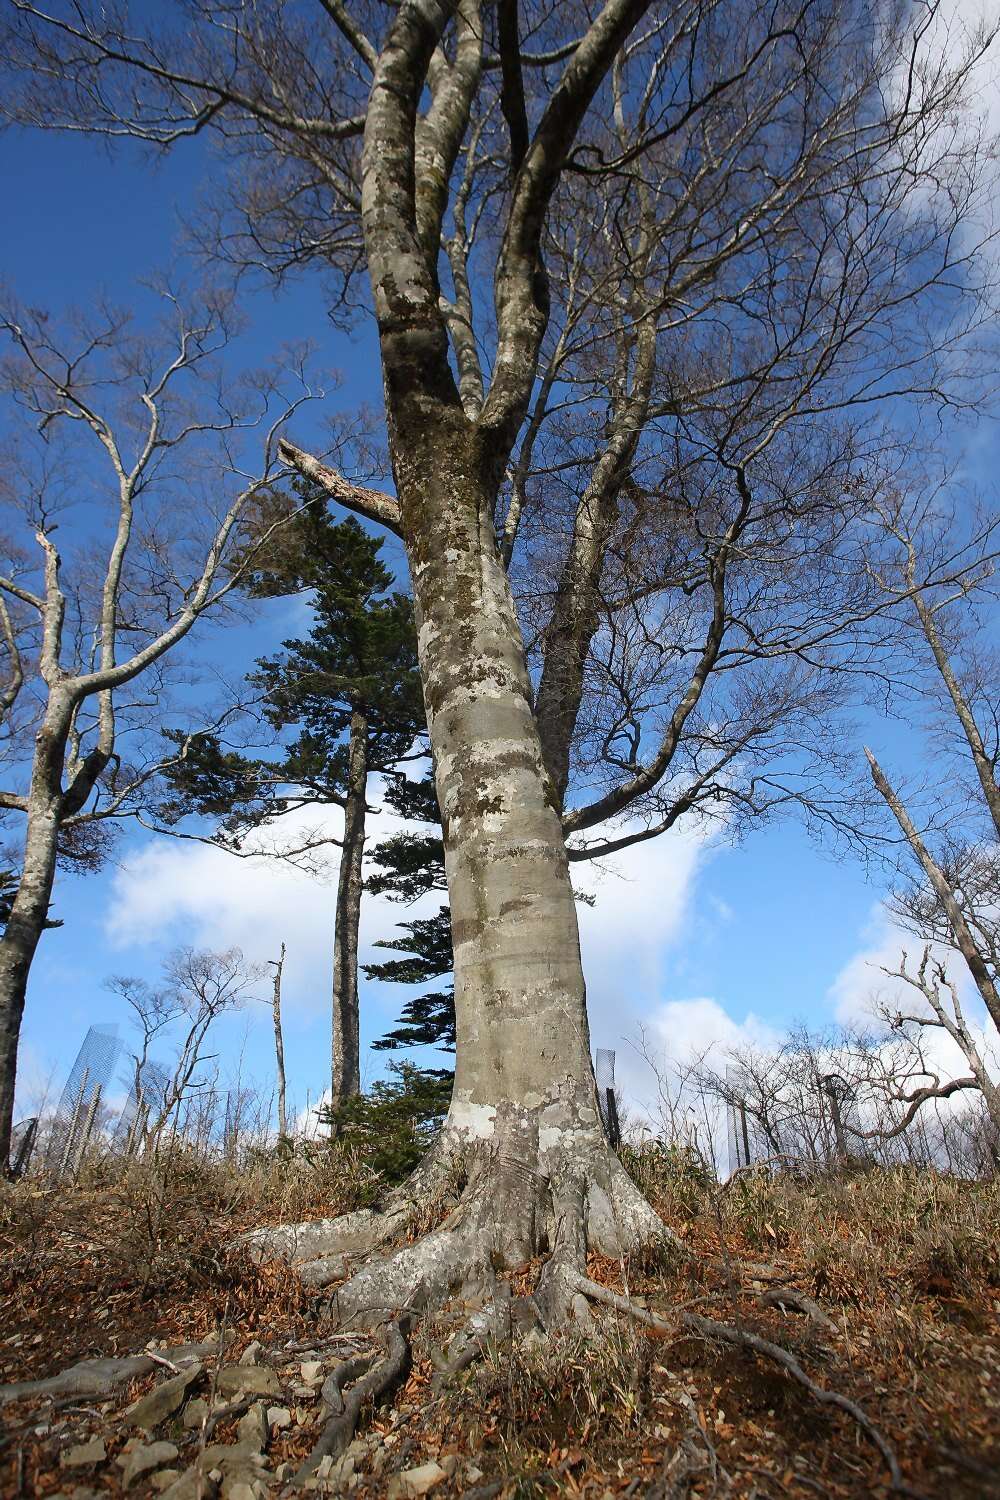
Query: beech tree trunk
x,y
346,1072
524,1091
30,907
523,1139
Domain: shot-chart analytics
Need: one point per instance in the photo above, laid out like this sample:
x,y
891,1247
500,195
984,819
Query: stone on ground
x,y
253,1427
144,1457
163,1400
412,1483
248,1380
81,1454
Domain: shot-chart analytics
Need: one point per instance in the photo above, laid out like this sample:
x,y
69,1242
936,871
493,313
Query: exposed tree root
x,y
505,1201
379,1381
790,1296
99,1377
323,1249
726,1333
349,1369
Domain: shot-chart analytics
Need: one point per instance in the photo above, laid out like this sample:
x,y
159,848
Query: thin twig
x,y
161,1360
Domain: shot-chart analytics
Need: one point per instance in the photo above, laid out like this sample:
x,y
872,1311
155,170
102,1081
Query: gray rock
x,y
243,1489
243,1380
143,1458
164,1478
336,1472
195,1413
312,1371
253,1428
251,1354
163,1400
231,1455
278,1417
81,1454
191,1485
412,1483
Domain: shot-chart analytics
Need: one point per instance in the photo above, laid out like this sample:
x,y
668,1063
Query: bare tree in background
x,y
767,205
818,1099
204,987
943,1010
137,428
952,843
154,1010
198,988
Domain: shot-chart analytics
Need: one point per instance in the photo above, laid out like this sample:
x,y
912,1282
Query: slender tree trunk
x,y
279,1046
346,1073
30,908
577,611
938,881
963,710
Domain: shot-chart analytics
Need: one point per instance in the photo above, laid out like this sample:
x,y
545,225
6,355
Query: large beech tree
x,y
636,270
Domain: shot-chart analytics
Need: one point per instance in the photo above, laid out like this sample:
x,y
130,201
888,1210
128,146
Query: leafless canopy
x,y
684,258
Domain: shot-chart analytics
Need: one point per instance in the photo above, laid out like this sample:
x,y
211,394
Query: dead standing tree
x,y
746,129
132,409
278,965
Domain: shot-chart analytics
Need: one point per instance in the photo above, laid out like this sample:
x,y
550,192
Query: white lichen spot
x,y
475,1121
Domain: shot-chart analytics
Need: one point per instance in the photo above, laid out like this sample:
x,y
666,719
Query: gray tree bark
x,y
346,1055
524,1131
30,907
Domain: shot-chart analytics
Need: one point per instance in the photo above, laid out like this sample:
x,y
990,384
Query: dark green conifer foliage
x,y
391,1127
409,865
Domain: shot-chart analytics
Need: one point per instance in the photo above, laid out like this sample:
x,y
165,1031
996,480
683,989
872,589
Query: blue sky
x,y
695,941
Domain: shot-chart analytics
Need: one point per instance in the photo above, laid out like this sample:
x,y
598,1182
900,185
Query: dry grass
x,y
904,1262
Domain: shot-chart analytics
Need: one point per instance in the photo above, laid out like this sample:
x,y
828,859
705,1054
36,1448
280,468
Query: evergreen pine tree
x,y
410,864
349,694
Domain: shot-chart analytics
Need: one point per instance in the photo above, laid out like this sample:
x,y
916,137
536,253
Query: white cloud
x,y
861,986
643,907
191,893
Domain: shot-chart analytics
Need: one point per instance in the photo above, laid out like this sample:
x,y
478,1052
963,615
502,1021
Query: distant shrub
x,y
389,1129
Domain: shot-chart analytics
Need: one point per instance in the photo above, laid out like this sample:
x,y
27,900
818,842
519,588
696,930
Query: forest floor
x,y
883,1285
